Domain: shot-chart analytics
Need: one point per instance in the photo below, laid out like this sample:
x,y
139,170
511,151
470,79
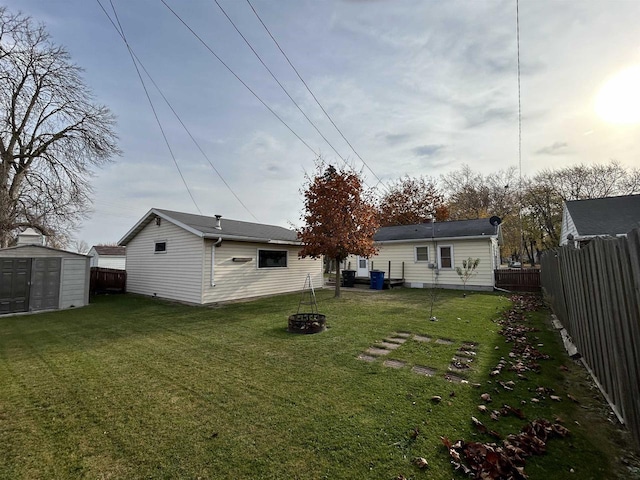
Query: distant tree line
x,y
531,205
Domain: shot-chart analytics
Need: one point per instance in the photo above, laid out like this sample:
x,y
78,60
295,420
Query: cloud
x,y
395,138
481,116
427,150
553,149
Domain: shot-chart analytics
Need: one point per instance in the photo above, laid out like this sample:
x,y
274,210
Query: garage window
x,y
272,258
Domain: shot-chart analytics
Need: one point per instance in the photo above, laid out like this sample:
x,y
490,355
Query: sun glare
x,y
618,101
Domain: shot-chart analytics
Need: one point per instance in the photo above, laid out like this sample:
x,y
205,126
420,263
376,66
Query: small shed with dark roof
x,y
203,259
583,220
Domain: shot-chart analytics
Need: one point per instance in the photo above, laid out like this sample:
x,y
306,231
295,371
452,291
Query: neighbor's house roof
x,y
460,229
110,250
605,216
205,227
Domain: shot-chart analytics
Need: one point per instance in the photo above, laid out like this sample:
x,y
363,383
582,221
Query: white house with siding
x,y
584,220
201,260
108,256
426,254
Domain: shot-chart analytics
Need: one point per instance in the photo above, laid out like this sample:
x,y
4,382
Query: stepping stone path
x,y
429,372
394,363
460,362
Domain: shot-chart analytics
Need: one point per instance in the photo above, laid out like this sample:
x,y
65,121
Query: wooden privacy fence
x,y
107,280
595,293
518,279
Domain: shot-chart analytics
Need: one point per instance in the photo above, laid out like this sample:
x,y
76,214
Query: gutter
x,y
436,239
235,238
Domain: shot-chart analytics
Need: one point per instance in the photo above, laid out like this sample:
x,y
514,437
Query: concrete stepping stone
x,y
377,351
395,340
366,358
388,345
426,371
469,345
421,338
444,341
394,363
402,334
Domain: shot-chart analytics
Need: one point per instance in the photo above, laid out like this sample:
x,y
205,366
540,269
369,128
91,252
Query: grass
x,y
131,387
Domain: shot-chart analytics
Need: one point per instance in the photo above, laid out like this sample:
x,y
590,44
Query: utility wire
x,y
279,83
197,144
238,78
312,94
144,87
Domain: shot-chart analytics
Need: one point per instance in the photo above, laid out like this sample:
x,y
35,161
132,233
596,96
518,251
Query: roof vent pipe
x,y
218,226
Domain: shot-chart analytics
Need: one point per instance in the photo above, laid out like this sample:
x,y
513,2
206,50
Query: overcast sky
x,y
417,87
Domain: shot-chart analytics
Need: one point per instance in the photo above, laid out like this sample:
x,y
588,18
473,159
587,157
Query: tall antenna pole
x,y
520,192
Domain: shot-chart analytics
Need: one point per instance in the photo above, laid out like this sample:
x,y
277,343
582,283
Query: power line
x,y
278,81
144,87
238,78
312,94
197,144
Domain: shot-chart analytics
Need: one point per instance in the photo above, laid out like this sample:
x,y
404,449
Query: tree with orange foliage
x,y
339,218
410,201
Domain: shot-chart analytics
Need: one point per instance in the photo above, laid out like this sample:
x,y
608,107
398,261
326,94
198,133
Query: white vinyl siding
x,y
420,274
109,261
74,284
236,280
176,274
568,226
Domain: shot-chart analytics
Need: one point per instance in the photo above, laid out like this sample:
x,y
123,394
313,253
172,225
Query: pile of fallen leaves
x,y
506,461
523,356
492,461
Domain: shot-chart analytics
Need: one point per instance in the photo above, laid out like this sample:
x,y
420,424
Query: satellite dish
x,y
495,221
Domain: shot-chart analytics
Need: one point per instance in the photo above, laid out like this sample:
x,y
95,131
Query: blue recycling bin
x,y
377,279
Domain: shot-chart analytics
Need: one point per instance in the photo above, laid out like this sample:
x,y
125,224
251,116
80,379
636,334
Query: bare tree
x,y
52,133
471,195
81,246
411,200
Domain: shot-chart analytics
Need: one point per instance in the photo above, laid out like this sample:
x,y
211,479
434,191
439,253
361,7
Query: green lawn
x,y
132,387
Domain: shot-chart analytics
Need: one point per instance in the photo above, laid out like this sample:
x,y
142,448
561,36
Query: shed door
x,y
45,284
15,274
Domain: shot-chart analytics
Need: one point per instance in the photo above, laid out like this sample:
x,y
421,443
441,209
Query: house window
x,y
161,247
445,254
422,254
272,258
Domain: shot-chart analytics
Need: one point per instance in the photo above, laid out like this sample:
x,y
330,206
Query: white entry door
x,y
363,267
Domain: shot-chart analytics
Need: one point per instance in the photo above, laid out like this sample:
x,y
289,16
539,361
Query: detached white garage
x,y
35,277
